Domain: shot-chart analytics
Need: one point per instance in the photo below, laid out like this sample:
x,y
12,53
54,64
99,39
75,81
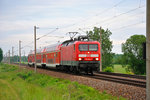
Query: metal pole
x,y
12,54
19,53
100,29
24,56
148,51
35,49
6,58
9,56
3,58
17,58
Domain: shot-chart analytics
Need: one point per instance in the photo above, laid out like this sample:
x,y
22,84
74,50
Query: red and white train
x,y
75,55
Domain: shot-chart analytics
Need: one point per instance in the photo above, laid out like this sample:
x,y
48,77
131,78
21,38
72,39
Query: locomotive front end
x,y
88,55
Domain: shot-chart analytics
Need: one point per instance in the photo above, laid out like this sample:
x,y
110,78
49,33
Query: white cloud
x,y
118,42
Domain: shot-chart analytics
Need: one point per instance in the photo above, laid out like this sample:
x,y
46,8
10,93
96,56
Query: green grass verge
x,y
22,62
21,84
119,69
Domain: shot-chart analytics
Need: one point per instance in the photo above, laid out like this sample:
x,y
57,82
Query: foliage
x,y
24,75
1,54
118,68
132,54
108,69
7,68
107,55
16,59
22,84
117,59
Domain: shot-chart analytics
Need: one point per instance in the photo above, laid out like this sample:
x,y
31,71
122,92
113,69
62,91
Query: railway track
x,y
120,79
123,75
134,80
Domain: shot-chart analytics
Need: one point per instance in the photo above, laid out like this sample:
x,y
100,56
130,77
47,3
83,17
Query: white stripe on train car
x,y
39,64
30,63
52,65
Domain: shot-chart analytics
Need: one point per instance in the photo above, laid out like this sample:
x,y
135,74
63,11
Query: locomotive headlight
x,y
96,58
80,59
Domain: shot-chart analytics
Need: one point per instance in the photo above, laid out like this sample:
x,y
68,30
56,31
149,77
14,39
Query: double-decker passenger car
x,y
75,55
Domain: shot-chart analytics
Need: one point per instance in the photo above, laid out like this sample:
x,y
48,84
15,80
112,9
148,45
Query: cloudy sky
x,y
17,18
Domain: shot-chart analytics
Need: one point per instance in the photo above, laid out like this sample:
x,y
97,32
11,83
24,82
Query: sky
x,y
123,18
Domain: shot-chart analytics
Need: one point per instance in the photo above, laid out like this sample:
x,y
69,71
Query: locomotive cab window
x,y
93,47
83,47
88,47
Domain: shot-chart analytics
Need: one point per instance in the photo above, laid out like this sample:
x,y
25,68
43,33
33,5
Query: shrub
x,y
108,69
7,68
24,75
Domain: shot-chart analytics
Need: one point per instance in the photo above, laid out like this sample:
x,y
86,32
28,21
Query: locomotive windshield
x,y
88,47
93,47
83,47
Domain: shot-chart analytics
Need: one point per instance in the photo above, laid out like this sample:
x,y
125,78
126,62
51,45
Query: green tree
x,y
117,59
107,56
1,54
16,58
132,54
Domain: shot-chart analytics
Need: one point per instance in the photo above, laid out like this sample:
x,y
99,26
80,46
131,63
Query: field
x,y
21,84
119,69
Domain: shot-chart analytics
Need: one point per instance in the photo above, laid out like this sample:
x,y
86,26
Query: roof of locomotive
x,y
78,42
79,39
67,43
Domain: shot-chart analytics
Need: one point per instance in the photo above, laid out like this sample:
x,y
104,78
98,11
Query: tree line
x,y
13,59
132,51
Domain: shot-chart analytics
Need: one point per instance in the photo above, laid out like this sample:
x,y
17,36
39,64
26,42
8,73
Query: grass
x,y
22,62
119,69
21,84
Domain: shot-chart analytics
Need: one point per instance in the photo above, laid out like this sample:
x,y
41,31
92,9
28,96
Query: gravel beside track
x,y
116,89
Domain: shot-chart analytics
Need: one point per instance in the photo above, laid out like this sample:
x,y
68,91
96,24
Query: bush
x,y
108,69
7,68
24,75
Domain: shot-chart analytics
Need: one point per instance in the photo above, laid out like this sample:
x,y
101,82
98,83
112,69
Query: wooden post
x,y
148,51
35,49
100,29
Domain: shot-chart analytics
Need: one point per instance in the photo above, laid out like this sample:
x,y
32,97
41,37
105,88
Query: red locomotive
x,y
75,55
